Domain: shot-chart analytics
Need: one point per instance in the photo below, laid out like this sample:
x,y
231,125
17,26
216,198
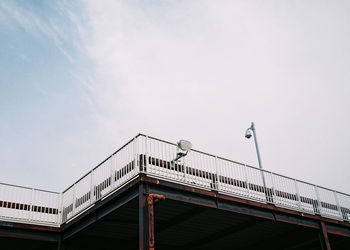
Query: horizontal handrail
x,y
13,185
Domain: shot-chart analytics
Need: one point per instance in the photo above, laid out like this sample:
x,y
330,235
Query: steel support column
x,y
143,221
146,218
324,237
60,245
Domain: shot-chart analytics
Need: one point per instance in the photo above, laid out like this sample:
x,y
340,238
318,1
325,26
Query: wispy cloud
x,y
32,21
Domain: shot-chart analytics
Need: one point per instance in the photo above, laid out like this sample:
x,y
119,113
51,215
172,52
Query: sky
x,y
81,78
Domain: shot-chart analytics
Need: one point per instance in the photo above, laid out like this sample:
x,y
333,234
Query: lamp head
x,y
184,145
248,133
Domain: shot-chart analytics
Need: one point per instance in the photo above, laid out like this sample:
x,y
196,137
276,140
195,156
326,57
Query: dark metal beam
x,y
11,232
29,226
300,221
336,230
237,208
324,237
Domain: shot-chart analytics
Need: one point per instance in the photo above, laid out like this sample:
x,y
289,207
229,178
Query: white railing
x,y
108,176
236,179
29,205
154,157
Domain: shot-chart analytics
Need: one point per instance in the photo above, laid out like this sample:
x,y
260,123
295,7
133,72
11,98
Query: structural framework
x,y
140,198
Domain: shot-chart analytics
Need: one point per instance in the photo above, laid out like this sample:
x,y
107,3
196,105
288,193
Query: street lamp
x,y
248,135
185,147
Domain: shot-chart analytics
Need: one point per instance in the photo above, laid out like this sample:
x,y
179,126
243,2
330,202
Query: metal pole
x,y
252,127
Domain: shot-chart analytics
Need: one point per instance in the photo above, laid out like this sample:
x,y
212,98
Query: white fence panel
x,y
328,204
285,193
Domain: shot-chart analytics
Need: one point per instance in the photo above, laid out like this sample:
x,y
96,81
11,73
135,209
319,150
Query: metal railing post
x,y
31,205
73,204
135,152
318,200
217,174
60,209
272,189
263,180
246,180
91,188
144,169
184,165
338,205
112,172
297,194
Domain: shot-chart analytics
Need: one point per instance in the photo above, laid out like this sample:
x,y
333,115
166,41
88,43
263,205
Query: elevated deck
x,y
232,197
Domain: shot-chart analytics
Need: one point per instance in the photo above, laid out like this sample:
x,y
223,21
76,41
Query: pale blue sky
x,y
80,78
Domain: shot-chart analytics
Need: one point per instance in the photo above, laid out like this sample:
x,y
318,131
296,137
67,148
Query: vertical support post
x,y
60,244
150,218
146,218
324,237
143,219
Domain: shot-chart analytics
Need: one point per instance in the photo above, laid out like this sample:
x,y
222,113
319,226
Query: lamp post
x,y
248,135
